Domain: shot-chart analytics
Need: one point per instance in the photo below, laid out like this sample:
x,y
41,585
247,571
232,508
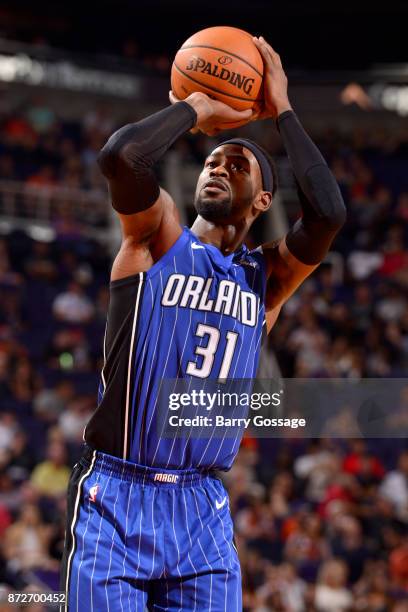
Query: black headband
x,y
264,164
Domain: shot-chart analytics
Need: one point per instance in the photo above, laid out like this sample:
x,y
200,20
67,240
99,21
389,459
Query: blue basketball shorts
x,y
141,538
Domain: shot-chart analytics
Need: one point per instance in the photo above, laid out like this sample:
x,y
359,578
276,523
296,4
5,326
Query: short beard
x,y
213,210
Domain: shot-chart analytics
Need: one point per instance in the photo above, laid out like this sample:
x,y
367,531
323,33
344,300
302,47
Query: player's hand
x,y
275,83
213,116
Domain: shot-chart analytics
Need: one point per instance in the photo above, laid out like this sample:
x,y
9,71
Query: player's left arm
x,y
290,260
293,258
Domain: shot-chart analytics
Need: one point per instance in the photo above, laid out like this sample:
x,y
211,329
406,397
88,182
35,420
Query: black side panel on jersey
x,y
107,426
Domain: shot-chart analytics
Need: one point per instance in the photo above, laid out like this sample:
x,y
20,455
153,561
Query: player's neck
x,y
227,238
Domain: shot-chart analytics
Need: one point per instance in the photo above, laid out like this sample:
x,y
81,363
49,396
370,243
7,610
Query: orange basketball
x,y
223,63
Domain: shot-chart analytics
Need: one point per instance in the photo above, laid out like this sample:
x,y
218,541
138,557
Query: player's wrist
x,y
282,106
201,106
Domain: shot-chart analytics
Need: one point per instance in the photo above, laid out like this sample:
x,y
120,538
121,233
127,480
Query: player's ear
x,y
263,201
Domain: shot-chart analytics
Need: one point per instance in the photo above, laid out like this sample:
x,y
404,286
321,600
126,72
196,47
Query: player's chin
x,y
213,207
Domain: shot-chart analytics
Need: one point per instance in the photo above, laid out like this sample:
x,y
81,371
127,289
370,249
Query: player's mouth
x,y
215,186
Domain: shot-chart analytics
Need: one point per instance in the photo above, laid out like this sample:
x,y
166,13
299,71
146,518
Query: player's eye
x,y
210,164
237,167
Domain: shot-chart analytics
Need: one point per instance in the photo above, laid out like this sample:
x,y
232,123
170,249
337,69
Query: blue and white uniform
x,y
157,517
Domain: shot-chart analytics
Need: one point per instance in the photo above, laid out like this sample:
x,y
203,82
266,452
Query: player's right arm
x,y
147,213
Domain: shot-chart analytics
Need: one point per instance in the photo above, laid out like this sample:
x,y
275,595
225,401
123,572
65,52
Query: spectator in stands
x,y
41,265
292,588
26,541
49,404
347,544
332,594
8,428
399,568
282,587
362,263
309,342
50,477
11,495
395,261
281,493
253,574
395,487
362,308
73,306
257,524
361,463
21,460
25,382
316,468
306,547
392,304
99,121
74,418
371,591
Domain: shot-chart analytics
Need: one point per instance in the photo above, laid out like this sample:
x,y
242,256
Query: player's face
x,y
228,184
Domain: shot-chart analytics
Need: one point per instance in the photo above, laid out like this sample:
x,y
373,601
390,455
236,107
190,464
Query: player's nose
x,y
219,170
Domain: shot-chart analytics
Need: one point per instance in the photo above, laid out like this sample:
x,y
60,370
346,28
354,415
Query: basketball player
x,y
148,522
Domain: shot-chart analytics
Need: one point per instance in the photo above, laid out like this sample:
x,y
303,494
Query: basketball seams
x,y
212,88
241,59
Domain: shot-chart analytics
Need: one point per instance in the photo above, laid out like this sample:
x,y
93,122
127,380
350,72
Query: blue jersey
x,y
194,314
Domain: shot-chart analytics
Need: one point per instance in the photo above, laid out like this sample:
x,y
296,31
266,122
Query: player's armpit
x,y
284,275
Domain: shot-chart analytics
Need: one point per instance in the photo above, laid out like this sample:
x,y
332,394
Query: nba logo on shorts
x,y
93,491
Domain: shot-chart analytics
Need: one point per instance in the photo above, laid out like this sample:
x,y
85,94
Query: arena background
x,y
320,524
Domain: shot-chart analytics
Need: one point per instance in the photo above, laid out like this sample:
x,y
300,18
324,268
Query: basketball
x,y
223,63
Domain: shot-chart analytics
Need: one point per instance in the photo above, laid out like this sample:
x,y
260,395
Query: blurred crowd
x,y
41,150
321,525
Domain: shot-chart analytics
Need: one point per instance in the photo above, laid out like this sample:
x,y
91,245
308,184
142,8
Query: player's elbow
x,y
327,197
107,159
115,152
